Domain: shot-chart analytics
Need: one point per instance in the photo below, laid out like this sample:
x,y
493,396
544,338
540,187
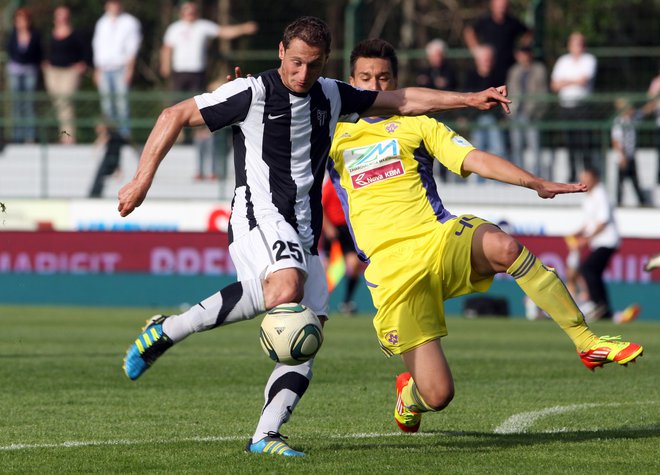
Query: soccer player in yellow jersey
x,y
419,254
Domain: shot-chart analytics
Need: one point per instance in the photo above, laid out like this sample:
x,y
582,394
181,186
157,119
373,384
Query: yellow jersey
x,y
382,169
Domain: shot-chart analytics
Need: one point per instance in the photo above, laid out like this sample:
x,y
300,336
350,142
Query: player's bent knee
x,y
509,250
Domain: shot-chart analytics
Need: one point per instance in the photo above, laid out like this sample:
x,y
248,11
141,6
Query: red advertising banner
x,y
197,253
161,253
627,265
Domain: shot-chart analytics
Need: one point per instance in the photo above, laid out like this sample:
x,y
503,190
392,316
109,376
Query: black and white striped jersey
x,y
281,144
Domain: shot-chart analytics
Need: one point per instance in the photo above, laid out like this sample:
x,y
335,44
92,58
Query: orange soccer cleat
x,y
407,420
609,349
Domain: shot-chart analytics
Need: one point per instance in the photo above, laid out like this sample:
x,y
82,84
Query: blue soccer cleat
x,y
150,344
272,444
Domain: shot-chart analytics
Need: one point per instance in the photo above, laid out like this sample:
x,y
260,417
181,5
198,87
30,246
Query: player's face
x,y
301,65
373,74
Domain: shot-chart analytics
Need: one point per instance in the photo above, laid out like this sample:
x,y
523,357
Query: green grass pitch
x,y
524,403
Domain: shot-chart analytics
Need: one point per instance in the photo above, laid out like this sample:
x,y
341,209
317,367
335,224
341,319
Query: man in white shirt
x,y
572,79
183,54
600,234
116,42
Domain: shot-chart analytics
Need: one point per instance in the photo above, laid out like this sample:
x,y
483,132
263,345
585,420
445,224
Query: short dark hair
x,y
594,172
311,30
375,48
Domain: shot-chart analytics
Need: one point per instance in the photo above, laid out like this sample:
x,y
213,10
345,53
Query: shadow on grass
x,y
455,440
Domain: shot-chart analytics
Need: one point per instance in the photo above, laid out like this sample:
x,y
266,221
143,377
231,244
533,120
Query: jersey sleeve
x,y
211,29
227,105
168,37
134,39
354,101
445,145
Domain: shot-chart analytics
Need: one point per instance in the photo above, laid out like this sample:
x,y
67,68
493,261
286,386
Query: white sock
x,y
284,388
238,301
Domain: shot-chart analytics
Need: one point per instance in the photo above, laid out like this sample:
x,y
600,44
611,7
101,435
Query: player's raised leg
x,y
236,302
243,300
427,387
494,251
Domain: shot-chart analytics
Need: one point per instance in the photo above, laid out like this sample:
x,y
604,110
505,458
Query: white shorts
x,y
276,245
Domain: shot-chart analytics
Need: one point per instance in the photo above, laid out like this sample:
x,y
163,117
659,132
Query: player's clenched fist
x,y
131,196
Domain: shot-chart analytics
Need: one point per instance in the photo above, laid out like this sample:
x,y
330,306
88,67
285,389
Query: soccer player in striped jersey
x,y
283,122
420,254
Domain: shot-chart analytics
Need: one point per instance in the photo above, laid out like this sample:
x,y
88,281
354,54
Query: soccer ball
x,y
291,334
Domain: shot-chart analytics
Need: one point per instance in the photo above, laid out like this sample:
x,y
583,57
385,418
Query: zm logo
x,y
386,148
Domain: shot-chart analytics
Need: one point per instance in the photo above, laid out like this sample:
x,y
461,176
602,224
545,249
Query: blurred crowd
x,y
502,50
500,44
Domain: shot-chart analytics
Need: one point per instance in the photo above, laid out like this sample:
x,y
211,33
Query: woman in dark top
x,y
63,68
24,51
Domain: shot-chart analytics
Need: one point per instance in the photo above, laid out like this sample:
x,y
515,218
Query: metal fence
x,y
47,170
146,105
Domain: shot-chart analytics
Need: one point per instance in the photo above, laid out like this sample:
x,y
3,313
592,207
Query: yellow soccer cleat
x,y
407,420
609,349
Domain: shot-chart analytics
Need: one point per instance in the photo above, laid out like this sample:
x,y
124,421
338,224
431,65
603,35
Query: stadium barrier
x,y
176,269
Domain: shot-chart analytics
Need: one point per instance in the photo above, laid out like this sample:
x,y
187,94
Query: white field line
x,y
516,424
229,438
521,422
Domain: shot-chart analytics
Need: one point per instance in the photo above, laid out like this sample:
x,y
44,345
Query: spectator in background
x,y
599,233
116,42
501,30
24,58
108,137
486,135
573,78
624,143
183,61
526,81
653,106
438,74
63,68
212,148
183,54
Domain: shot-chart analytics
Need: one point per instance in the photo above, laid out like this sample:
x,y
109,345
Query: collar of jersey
x,y
375,120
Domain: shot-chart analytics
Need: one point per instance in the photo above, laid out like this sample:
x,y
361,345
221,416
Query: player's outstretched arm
x,y
168,127
420,101
491,166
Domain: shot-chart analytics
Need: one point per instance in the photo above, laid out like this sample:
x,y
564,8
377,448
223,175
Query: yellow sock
x,y
413,400
546,289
